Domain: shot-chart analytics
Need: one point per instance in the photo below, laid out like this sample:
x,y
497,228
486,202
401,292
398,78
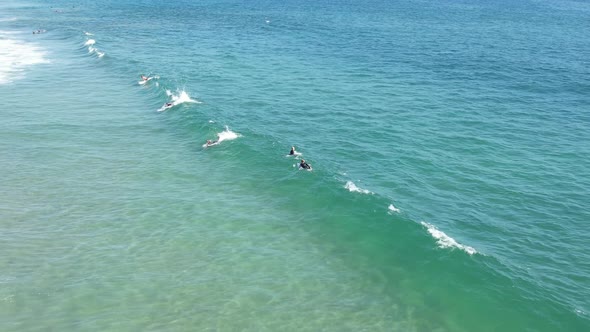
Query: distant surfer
x,y
292,152
165,107
145,79
211,143
304,165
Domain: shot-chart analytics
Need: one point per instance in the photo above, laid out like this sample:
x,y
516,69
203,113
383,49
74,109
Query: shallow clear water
x,y
449,144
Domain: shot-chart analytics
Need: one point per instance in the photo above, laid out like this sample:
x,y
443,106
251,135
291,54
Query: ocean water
x,y
449,141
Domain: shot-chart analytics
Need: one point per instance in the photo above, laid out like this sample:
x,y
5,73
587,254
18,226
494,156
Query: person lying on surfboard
x,y
305,165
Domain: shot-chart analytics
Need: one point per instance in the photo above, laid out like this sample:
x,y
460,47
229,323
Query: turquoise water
x,y
449,144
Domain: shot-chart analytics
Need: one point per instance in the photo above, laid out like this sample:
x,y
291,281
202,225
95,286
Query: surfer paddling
x,y
211,143
304,165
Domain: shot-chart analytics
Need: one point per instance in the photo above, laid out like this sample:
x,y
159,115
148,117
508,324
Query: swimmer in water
x,y
144,78
292,152
305,165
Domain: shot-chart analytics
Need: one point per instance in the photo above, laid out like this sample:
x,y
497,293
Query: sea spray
x,y
180,97
226,135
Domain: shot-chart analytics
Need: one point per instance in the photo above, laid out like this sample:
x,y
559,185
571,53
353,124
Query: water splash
x,y
226,135
176,99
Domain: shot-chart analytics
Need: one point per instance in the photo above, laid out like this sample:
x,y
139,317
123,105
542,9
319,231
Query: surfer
x,y
169,104
305,165
144,78
292,152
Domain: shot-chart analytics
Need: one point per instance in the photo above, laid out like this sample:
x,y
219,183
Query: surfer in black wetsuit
x,y
292,152
305,165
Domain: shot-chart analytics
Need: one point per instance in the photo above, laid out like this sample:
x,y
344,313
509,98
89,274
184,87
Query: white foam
x,y
177,99
445,241
15,55
91,49
392,208
353,188
88,33
226,135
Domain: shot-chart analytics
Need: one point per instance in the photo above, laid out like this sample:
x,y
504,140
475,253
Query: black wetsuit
x,y
292,152
305,165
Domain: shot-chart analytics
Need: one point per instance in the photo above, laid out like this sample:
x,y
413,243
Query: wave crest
x,y
353,188
445,241
392,208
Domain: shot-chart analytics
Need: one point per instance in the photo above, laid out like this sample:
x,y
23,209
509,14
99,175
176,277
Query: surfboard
x,y
142,82
165,107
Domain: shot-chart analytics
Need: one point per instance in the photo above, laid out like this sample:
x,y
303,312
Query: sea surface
x,y
449,140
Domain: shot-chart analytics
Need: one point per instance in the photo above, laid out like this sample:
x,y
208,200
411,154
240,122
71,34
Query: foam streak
x,y
445,241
